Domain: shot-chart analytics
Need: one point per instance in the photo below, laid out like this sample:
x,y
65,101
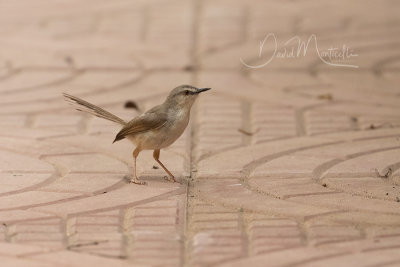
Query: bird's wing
x,y
145,122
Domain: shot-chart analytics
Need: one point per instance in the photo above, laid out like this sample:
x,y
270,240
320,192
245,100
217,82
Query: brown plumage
x,y
150,120
155,129
92,109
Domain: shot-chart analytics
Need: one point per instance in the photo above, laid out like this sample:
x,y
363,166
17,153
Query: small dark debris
x,y
387,194
95,243
104,192
189,68
155,167
17,174
247,132
373,126
69,60
131,104
398,199
4,224
324,185
326,97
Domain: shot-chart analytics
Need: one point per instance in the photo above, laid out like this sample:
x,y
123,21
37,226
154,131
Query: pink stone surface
x,y
296,163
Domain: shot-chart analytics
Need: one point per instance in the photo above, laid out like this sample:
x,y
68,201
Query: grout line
x,y
300,122
185,257
247,122
127,240
244,223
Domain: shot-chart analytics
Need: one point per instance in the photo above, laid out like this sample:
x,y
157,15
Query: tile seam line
x,y
196,9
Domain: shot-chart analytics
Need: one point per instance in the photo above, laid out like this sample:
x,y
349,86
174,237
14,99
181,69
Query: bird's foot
x,y
170,179
135,180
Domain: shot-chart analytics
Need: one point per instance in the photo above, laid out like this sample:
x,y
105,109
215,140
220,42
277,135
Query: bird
x,y
155,129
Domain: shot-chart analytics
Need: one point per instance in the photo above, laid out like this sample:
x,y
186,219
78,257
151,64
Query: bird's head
x,y
185,95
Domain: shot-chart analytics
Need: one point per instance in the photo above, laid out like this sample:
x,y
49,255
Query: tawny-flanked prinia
x,y
156,128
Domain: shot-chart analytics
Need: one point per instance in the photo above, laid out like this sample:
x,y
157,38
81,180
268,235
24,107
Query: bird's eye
x,y
187,92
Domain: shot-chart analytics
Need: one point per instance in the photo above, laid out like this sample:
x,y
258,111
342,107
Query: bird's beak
x,y
200,90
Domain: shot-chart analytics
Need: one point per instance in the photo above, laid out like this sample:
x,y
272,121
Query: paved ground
x,y
296,163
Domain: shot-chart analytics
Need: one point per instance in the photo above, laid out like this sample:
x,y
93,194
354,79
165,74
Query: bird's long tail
x,y
85,106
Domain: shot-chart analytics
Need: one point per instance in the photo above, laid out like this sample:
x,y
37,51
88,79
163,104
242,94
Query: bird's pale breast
x,y
165,135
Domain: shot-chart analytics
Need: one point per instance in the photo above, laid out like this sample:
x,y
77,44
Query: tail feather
x,y
85,106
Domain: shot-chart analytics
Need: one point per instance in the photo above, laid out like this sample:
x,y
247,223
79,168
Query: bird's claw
x,y
136,181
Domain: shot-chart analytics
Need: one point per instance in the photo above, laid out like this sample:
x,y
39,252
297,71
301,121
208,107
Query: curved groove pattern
x,y
295,163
